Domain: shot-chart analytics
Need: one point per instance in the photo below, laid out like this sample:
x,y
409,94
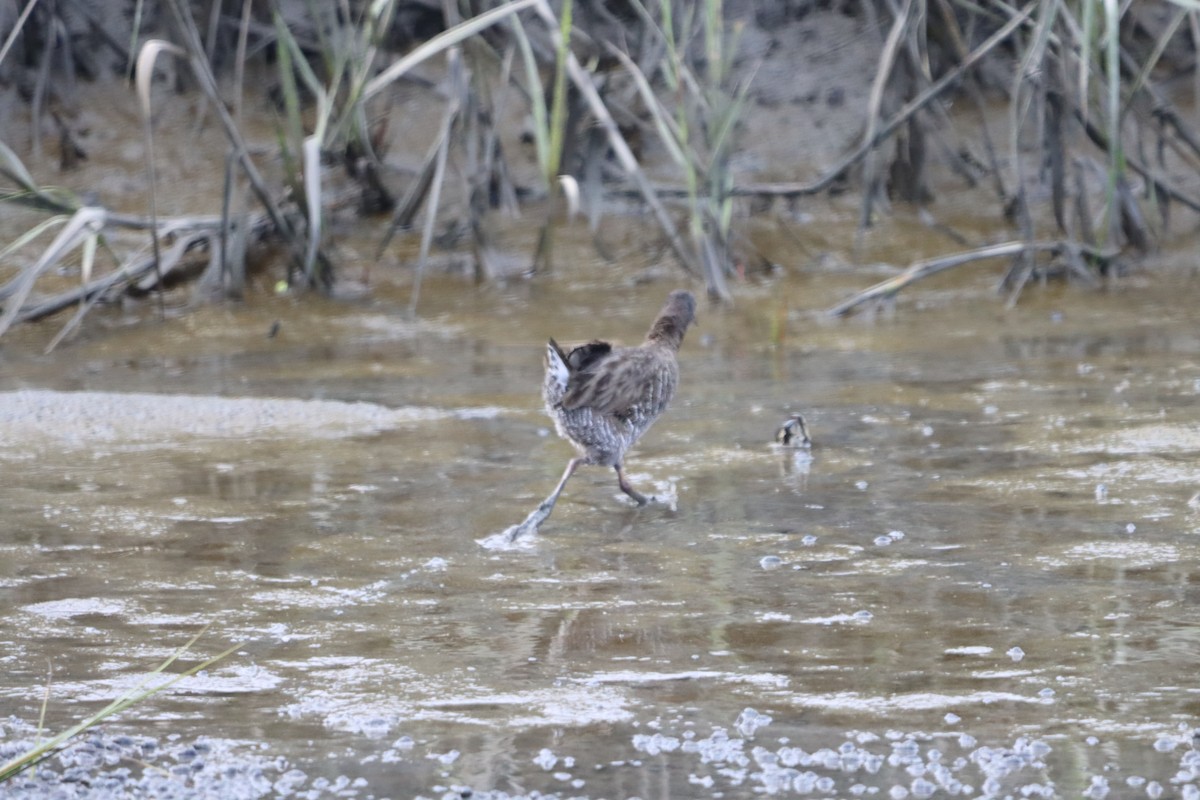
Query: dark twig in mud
x,y
923,269
128,275
1100,139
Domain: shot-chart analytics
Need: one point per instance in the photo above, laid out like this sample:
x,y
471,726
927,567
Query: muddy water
x,y
980,582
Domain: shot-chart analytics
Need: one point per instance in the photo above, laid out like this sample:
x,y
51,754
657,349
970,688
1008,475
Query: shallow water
x,y
980,582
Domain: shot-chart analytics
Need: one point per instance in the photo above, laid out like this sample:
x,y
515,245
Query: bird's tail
x,y
554,387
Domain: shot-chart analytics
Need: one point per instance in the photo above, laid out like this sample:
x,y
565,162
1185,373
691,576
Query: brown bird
x,y
603,398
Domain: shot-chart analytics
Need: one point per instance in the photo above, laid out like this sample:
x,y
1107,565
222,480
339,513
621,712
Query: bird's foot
x,y
521,534
664,496
514,537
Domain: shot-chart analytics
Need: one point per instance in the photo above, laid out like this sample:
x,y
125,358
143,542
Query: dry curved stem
x,y
931,266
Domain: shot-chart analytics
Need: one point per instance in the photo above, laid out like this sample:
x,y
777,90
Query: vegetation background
x,y
437,123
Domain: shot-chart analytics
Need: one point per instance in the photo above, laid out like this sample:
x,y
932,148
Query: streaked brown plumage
x,y
603,398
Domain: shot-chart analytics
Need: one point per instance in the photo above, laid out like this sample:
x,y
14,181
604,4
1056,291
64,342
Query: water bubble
x,y
862,616
861,485
809,540
1165,744
883,541
1101,492
1154,790
923,788
1015,653
770,562
1098,789
750,721
546,759
655,744
1046,693
896,535
951,718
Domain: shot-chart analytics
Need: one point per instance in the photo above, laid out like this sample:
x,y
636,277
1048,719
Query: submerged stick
x,y
923,269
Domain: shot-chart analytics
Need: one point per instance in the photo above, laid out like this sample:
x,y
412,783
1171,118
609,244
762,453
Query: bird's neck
x,y
666,332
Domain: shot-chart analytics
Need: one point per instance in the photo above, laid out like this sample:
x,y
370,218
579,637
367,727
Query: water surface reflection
x,y
982,582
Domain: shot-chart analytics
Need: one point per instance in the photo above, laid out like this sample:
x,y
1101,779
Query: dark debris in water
x,y
97,766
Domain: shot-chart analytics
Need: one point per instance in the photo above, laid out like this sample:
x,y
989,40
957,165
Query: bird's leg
x,y
627,488
539,514
548,504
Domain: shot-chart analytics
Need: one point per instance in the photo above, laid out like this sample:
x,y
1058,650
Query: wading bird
x,y
603,398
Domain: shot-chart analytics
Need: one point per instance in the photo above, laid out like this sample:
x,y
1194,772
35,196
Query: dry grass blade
x,y
14,169
439,173
135,695
669,133
312,197
144,74
16,30
24,239
883,73
536,92
1160,47
442,41
86,222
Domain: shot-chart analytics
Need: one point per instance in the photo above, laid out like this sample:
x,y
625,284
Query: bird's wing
x,y
621,379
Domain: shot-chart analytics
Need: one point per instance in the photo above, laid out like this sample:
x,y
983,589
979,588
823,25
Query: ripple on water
x,y
1130,554
77,607
883,705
